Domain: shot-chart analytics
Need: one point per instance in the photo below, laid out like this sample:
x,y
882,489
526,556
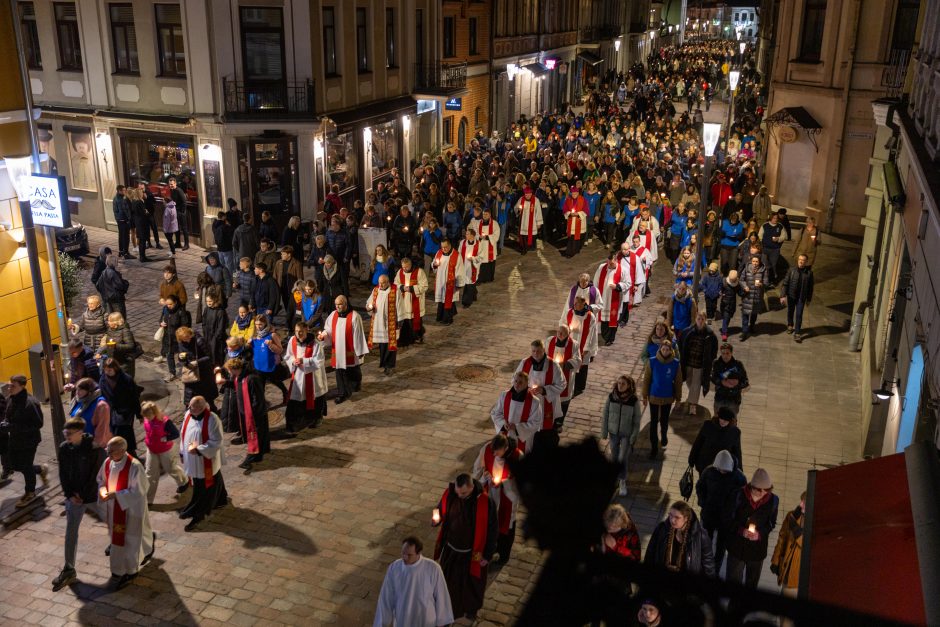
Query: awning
x,y
537,69
796,117
373,113
589,57
866,546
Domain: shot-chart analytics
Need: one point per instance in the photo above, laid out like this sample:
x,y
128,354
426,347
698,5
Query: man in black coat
x,y
223,233
78,471
178,195
22,421
750,514
796,293
715,485
150,204
112,287
265,299
730,379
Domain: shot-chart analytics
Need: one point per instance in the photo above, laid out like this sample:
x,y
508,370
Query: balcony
x,y
595,34
440,79
286,100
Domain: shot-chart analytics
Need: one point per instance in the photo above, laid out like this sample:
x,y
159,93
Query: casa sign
x,y
48,200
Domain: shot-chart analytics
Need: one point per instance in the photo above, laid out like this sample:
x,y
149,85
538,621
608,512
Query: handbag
x,y
158,336
190,375
137,352
685,483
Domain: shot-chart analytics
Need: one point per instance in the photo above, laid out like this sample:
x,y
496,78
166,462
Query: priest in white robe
x,y
637,261
582,325
492,470
565,352
306,404
412,282
518,413
201,448
546,383
470,252
488,232
647,237
122,488
448,281
343,332
383,304
614,282
414,592
529,210
586,289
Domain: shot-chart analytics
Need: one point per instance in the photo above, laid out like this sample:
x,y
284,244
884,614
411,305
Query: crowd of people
x,y
275,308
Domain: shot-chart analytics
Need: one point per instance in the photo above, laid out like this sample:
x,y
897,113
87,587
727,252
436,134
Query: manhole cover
x,y
475,372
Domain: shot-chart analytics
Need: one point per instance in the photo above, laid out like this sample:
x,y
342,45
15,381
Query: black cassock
x,y
259,411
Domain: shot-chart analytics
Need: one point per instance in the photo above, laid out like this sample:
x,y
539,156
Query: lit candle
x,y
435,515
103,492
69,322
405,229
182,356
67,376
752,528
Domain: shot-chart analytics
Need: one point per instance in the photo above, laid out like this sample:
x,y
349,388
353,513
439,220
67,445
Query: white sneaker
x,y
159,360
623,487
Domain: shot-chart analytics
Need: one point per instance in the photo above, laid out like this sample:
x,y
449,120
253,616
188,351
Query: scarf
x,y
415,301
251,429
526,410
464,248
309,391
613,310
206,462
565,358
347,341
572,211
479,530
584,330
391,315
119,527
592,294
548,415
243,322
451,276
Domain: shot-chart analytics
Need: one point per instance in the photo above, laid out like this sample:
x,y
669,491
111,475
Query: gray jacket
x,y
621,419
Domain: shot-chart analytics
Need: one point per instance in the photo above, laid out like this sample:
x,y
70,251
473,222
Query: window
x,y
66,30
385,143
30,35
124,38
329,41
390,38
811,34
905,25
448,138
362,41
449,37
419,36
170,40
473,36
263,44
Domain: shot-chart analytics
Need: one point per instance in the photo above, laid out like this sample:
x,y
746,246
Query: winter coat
x,y
78,469
173,287
112,286
215,325
222,233
682,312
728,304
92,325
621,418
331,287
197,351
220,274
798,284
713,490
711,284
294,272
123,396
739,512
85,365
807,245
266,296
124,347
711,439
709,352
140,217
245,241
122,208
291,237
662,381
699,558
171,222
103,253
268,258
789,550
246,281
732,369
267,230
22,420
174,319
228,408
753,298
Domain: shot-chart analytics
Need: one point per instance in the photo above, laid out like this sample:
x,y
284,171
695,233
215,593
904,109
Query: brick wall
x,y
478,95
481,12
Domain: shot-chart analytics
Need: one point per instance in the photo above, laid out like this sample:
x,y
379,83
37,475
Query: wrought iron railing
x,y
440,75
286,99
894,72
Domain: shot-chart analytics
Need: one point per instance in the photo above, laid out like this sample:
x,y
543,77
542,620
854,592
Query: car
x,y
72,240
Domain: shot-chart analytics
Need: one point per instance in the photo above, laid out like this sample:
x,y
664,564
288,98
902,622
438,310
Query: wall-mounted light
x,y
406,122
617,43
511,70
211,152
884,392
710,134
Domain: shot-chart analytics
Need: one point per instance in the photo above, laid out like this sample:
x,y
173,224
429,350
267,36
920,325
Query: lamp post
x,y
733,77
710,133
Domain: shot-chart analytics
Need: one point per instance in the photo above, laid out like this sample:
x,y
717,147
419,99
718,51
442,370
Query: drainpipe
x,y
830,217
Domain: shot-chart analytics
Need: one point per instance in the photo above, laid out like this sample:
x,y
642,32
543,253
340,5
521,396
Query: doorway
x,y
462,134
268,177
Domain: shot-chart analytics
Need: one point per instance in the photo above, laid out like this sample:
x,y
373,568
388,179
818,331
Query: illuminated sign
x,y
48,199
454,104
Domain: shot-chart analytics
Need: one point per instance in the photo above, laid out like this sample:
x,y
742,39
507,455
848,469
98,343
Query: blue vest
x,y
86,414
264,358
732,234
681,313
663,375
310,306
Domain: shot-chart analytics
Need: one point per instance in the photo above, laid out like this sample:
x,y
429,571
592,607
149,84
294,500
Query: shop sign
x,y
454,104
562,68
425,105
48,199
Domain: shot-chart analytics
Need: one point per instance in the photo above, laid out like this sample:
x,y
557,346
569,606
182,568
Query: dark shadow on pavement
x,y
304,456
256,530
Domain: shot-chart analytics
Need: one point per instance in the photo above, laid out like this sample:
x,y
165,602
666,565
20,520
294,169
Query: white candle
x,y
435,515
103,492
752,528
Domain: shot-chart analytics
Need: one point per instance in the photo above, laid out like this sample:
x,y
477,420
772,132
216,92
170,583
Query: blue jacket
x,y
452,223
677,227
731,234
593,201
687,234
681,313
122,208
663,377
711,284
431,241
501,212
609,213
769,232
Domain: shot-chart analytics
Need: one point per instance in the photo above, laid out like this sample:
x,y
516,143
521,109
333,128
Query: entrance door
x,y
462,134
263,58
795,172
270,177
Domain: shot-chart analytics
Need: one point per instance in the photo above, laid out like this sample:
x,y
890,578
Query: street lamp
x,y
733,77
710,133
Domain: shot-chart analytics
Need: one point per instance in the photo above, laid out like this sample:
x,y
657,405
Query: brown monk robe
x,y
466,542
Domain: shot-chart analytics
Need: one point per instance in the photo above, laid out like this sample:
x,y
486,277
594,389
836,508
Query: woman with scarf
x,y
753,282
680,543
684,268
309,303
242,326
248,389
123,396
266,350
196,361
332,285
383,262
305,360
91,324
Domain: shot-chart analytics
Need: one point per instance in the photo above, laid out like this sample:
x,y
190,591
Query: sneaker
x,y
181,489
790,330
798,338
44,475
664,442
65,577
159,359
623,487
25,500
5,476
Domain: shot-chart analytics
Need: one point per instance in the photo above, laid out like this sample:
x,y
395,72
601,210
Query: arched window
x,y
462,134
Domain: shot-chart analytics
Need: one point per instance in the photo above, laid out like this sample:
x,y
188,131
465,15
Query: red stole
x,y
504,515
648,237
349,348
309,393
415,301
639,256
531,217
574,231
119,528
391,319
251,429
569,348
526,410
451,281
613,310
492,245
206,462
473,252
480,525
584,329
548,415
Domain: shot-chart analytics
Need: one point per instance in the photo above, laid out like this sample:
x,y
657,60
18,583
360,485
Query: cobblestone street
x,y
310,532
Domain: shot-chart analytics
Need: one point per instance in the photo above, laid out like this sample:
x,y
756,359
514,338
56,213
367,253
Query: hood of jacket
x,y
103,252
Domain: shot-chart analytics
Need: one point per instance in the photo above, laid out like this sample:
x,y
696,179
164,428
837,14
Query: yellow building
x,y
19,321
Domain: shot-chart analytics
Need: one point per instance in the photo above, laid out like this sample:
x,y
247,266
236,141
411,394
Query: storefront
x,y
267,176
425,131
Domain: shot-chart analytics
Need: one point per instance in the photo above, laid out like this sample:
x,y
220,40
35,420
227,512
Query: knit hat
x,y
723,461
761,479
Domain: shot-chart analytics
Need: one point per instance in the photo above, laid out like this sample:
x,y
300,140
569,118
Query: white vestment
x,y
442,263
552,391
470,252
610,294
526,426
557,354
138,535
576,324
211,448
488,236
299,366
585,293
529,210
638,262
346,356
416,279
495,484
649,243
414,596
377,305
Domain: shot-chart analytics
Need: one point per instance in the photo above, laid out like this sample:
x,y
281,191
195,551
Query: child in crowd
x,y
162,438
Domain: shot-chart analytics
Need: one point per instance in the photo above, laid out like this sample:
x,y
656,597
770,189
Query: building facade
x,y
832,58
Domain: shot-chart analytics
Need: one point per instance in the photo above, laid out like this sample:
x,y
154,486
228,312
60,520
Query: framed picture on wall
x,y
82,161
47,145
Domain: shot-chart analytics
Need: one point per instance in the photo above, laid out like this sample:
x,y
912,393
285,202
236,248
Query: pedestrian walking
x,y
694,552
749,517
796,293
662,386
620,422
163,455
22,422
716,483
123,396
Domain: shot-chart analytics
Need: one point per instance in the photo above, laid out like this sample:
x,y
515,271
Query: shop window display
x,y
341,161
156,159
384,150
